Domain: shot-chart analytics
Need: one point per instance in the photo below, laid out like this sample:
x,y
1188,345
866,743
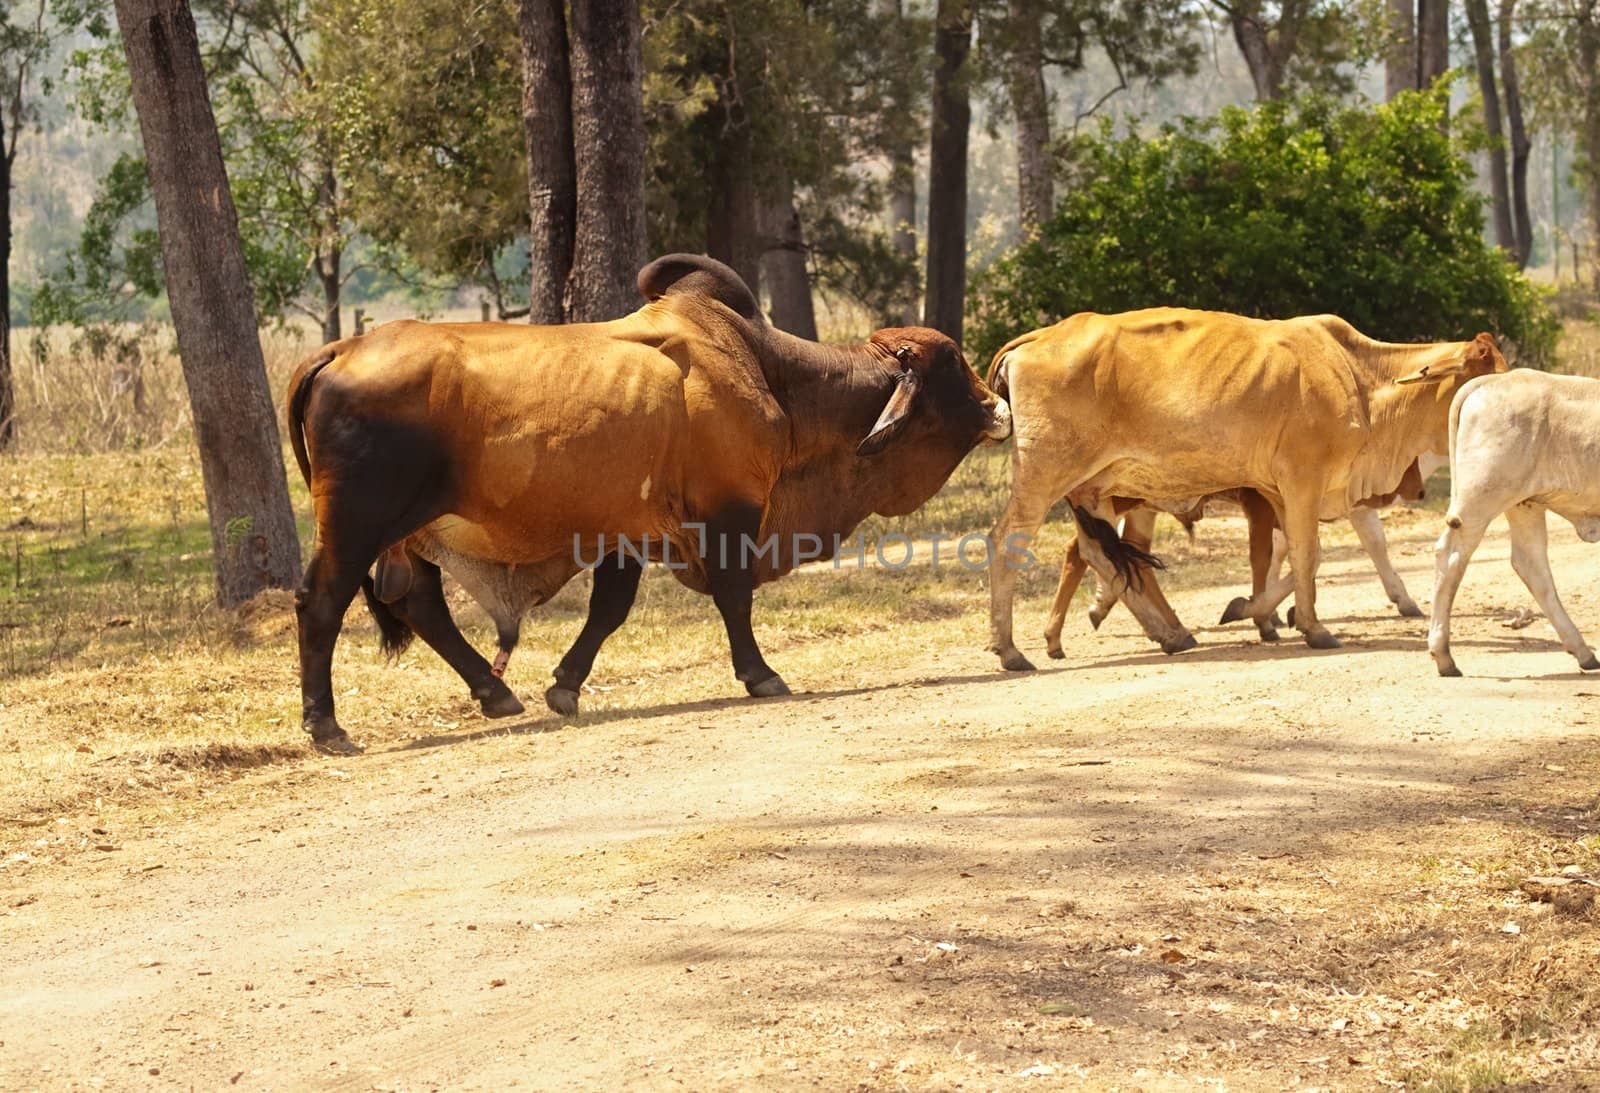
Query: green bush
x,y
1286,209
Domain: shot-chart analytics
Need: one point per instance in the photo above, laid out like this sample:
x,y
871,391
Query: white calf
x,y
1520,443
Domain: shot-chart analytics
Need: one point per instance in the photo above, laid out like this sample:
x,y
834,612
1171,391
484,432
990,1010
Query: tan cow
x,y
690,433
1171,406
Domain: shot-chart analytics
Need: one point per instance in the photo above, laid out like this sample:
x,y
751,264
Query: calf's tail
x,y
1126,559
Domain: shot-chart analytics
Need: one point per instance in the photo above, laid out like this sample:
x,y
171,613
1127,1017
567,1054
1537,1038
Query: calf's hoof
x,y
1409,609
1235,610
1096,617
1178,645
1321,639
1448,670
496,700
561,700
771,687
1590,665
328,738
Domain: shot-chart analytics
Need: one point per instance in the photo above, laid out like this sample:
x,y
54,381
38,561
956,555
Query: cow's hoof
x,y
1235,610
771,687
328,738
1290,617
1590,665
497,700
1409,609
1096,617
1055,652
1178,645
561,700
1014,661
1268,633
1321,639
1277,620
1449,670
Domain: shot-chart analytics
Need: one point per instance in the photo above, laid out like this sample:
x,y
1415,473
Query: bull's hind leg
x,y
330,582
1530,557
616,583
423,608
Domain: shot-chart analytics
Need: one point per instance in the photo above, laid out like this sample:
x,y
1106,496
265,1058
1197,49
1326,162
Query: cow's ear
x,y
1477,356
895,413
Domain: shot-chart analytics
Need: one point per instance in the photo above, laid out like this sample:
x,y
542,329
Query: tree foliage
x,y
1278,211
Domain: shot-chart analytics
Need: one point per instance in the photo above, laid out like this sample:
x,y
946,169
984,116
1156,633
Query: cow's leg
x,y
423,608
1266,561
1072,571
1369,529
1531,559
1461,537
616,583
1144,597
1302,528
731,545
1009,538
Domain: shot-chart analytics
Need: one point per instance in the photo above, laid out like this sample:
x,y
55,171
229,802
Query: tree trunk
x,y
1433,40
1489,90
552,174
8,386
783,267
1521,218
1587,26
903,228
1400,57
1031,104
1264,57
945,303
241,457
329,254
731,211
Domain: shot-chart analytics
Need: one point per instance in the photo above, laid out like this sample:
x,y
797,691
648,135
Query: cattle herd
x,y
694,435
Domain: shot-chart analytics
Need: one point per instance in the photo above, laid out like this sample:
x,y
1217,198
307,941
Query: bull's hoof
x,y
1178,645
1590,665
1449,670
1236,610
1013,661
1409,609
771,687
496,700
1321,639
562,700
329,739
1096,617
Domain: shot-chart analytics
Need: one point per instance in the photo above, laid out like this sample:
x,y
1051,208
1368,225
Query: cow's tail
x,y
394,634
999,377
1126,559
299,394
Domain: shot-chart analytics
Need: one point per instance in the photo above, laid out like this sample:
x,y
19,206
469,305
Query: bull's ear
x,y
895,413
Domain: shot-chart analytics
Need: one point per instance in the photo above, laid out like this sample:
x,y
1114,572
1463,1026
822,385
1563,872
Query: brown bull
x,y
690,433
1171,406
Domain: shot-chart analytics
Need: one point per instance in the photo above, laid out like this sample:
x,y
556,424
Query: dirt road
x,y
1256,866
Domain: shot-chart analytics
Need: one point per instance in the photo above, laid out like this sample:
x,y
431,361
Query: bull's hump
x,y
695,274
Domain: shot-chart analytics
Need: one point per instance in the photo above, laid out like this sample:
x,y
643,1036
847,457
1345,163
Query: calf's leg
x,y
1369,529
616,583
1531,559
1455,548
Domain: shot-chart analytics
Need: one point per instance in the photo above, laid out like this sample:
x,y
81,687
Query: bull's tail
x,y
394,635
299,394
1126,559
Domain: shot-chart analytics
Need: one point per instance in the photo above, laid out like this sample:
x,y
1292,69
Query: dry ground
x,y
1245,867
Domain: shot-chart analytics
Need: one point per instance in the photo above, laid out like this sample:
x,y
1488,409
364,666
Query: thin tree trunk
x,y
1031,104
1264,57
552,174
1521,147
608,149
731,211
8,386
1400,57
903,229
945,303
241,457
783,267
331,255
1489,91
1433,40
1587,25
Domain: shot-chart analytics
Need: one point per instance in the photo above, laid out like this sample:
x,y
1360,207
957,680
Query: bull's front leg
x,y
729,555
